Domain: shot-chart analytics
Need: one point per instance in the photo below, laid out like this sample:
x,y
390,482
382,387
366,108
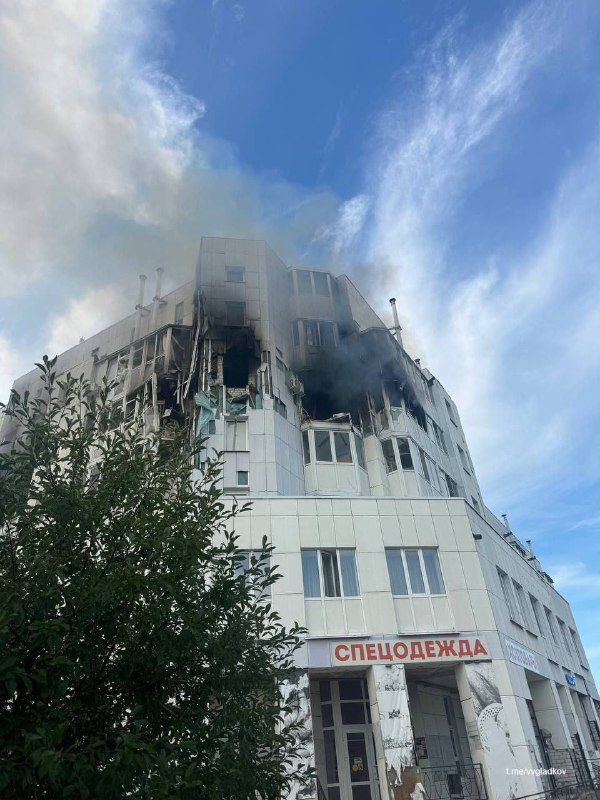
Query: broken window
x,y
343,454
236,368
405,454
179,313
304,282
327,334
323,446
280,407
235,313
295,333
138,352
311,333
236,434
234,274
321,283
389,455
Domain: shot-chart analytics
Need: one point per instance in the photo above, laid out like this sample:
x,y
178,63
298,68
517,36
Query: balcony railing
x,y
459,781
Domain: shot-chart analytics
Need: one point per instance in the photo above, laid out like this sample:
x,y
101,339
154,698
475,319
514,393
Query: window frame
x,y
230,270
236,421
423,569
509,597
337,577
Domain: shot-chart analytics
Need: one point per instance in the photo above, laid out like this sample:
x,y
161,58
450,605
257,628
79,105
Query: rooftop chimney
x,y
396,329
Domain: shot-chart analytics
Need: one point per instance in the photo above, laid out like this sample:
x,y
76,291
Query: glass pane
x,y
327,715
311,333
331,765
361,792
325,690
417,585
321,285
351,689
396,571
295,333
331,578
349,576
342,447
389,456
310,574
306,447
304,282
327,334
323,446
353,713
405,456
357,755
242,562
333,793
434,574
423,460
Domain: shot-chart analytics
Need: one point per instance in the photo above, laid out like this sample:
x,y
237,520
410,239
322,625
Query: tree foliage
x,y
135,661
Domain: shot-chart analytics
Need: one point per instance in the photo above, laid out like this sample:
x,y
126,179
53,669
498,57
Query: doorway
x,y
349,748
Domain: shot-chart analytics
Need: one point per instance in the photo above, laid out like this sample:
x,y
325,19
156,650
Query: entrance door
x,y
359,767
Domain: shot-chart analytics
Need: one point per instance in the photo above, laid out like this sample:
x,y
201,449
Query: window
x,y
179,313
522,604
279,364
389,456
537,613
463,458
405,455
451,484
475,504
343,454
138,352
311,333
578,649
247,559
563,633
236,314
438,435
450,412
306,447
329,573
242,478
304,282
291,282
234,274
235,434
551,624
428,468
280,407
323,446
321,283
433,571
509,597
295,333
327,334
414,571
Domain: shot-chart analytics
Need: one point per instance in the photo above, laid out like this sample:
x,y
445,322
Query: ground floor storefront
x,y
439,725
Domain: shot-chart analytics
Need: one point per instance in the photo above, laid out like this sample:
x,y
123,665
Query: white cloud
x,y
84,317
576,575
508,339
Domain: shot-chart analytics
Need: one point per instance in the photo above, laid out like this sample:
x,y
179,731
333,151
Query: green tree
x,y
135,660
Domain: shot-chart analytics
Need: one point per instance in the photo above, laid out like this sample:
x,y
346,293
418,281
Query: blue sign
x,y
570,678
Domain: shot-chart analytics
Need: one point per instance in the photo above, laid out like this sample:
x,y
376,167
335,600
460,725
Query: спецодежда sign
x,y
406,650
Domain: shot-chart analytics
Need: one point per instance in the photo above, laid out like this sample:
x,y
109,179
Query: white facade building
x,y
440,661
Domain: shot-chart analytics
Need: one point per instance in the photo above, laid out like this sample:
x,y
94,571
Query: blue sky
x,y
443,152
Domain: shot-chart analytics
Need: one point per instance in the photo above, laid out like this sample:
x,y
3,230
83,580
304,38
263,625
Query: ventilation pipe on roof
x,y
139,307
156,299
396,329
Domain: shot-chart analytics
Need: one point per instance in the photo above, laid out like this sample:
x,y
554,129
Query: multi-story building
x,y
440,661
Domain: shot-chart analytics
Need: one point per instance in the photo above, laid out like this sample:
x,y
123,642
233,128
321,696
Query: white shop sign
x,y
521,655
